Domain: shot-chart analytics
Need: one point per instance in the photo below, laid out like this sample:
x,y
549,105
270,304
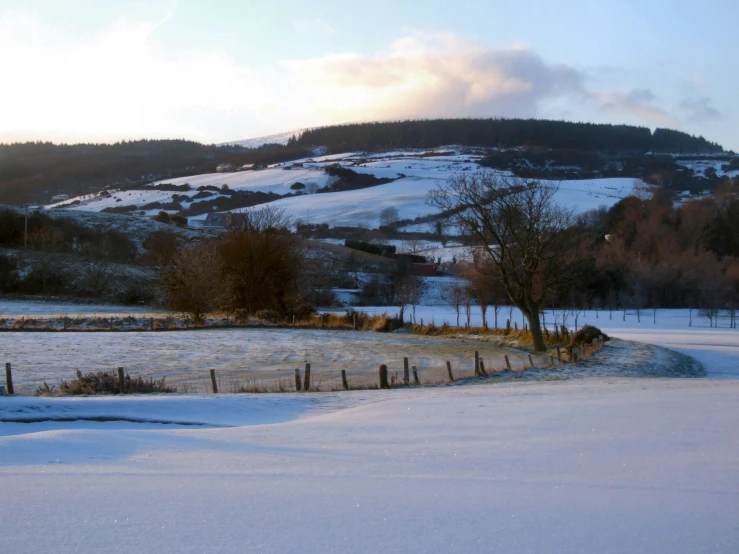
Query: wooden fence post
x,y
531,361
356,322
121,381
477,363
9,378
575,352
151,324
406,373
551,361
343,379
383,376
482,367
449,371
559,355
507,362
213,381
306,377
415,376
297,379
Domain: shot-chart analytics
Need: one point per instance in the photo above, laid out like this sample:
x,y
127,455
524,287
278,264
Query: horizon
x,y
92,73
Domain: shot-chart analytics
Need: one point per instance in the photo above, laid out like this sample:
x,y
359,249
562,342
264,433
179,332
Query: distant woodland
x,y
504,133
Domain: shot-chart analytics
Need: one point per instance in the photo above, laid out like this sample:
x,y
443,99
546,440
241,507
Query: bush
x,y
106,382
178,219
269,315
586,335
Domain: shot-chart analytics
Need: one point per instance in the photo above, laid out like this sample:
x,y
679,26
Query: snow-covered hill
x,y
414,174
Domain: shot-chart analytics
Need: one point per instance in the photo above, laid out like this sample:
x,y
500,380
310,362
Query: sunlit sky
x,y
90,70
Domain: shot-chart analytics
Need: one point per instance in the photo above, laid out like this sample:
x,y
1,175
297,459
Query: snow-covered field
x,y
596,464
602,465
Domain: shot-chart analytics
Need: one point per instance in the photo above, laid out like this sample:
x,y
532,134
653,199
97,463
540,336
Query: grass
x,y
104,382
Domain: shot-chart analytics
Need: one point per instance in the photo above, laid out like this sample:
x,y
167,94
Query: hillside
x,y
399,179
34,172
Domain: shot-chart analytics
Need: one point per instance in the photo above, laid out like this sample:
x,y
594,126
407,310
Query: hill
x,y
34,172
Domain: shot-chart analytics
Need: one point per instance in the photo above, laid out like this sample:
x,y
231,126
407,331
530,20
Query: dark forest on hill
x,y
504,133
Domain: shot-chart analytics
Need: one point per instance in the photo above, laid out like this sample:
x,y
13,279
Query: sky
x,y
85,70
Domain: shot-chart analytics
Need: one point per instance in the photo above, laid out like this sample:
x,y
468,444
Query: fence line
x,y
20,381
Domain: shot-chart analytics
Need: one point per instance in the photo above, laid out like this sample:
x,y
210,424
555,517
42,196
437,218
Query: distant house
x,y
59,198
225,168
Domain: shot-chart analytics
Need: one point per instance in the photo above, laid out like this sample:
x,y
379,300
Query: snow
x,y
416,175
599,465
240,356
717,348
572,460
256,142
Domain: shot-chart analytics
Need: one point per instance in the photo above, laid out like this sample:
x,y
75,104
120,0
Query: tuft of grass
x,y
105,382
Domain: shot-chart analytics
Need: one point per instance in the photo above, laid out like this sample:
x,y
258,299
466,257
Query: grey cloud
x,y
699,110
640,103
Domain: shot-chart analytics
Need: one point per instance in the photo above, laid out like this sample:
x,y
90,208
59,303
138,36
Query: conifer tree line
x,y
503,133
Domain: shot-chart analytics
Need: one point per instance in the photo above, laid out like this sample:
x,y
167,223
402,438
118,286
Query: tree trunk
x,y
535,326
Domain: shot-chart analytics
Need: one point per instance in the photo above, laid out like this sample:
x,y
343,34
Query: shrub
x,y
106,382
178,219
586,335
269,315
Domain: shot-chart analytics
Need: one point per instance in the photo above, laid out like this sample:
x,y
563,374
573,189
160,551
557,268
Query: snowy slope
x,y
362,207
416,172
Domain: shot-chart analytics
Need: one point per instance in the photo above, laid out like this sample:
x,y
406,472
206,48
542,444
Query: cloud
x,y
640,103
699,110
122,82
436,77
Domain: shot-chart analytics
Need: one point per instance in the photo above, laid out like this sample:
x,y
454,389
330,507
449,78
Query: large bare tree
x,y
516,224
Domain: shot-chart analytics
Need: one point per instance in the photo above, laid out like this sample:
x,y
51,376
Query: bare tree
x,y
389,216
453,293
519,228
192,282
262,261
406,293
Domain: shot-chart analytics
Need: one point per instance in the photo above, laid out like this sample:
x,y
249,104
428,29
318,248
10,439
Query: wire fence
x,y
399,372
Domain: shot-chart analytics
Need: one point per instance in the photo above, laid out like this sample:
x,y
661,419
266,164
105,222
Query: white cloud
x,y
120,82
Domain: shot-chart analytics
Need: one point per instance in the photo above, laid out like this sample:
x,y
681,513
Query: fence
x,y
316,379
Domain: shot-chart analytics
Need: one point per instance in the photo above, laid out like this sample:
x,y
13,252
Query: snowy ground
x,y
715,347
596,464
600,465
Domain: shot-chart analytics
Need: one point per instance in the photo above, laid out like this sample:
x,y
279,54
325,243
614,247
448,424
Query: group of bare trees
x,y
255,266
